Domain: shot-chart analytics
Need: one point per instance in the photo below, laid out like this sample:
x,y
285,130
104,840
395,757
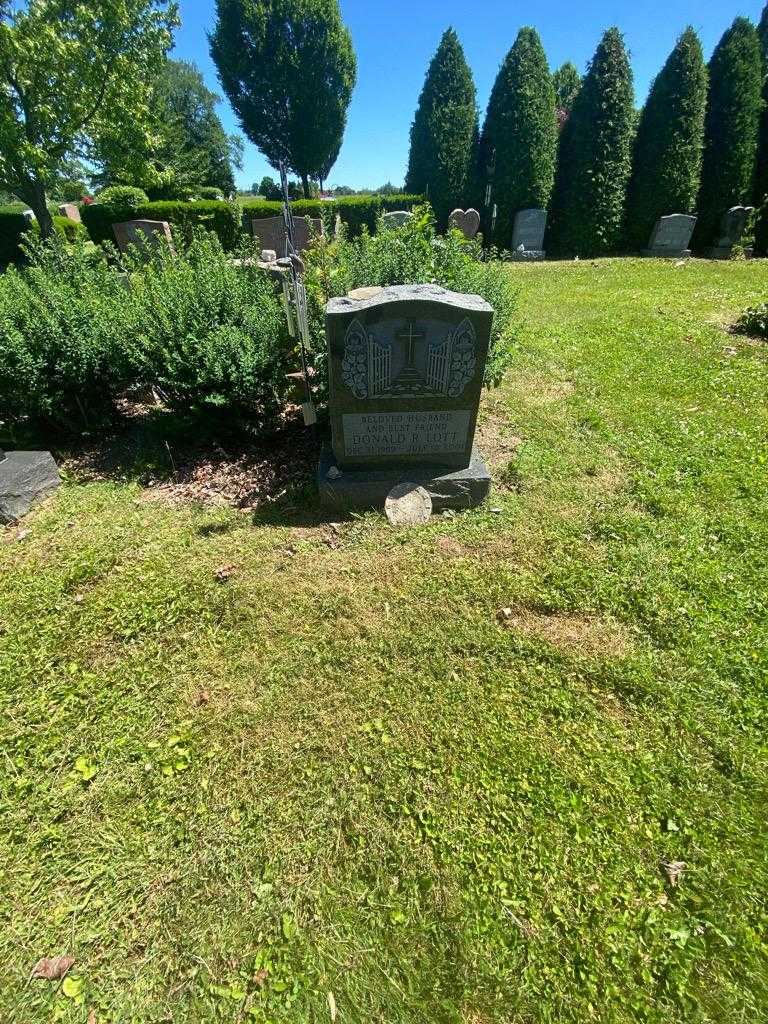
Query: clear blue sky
x,y
395,41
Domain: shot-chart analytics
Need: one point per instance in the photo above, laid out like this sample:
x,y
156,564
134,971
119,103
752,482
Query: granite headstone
x,y
270,232
467,221
528,235
732,228
70,210
671,236
406,367
25,478
396,218
145,234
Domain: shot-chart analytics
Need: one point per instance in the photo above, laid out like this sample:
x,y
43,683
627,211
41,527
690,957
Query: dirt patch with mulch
x,y
181,464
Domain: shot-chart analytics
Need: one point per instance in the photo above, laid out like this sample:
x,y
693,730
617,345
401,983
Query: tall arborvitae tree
x,y
761,176
731,127
567,82
521,130
666,172
595,156
443,130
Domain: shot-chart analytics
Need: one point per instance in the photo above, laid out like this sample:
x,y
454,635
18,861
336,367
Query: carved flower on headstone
x,y
354,365
463,359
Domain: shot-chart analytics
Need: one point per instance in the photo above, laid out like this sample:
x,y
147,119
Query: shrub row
x,y
209,335
13,226
205,332
220,217
355,211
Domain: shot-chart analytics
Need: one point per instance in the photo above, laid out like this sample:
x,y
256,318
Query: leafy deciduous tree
x,y
70,72
442,130
666,172
289,69
521,130
595,156
731,127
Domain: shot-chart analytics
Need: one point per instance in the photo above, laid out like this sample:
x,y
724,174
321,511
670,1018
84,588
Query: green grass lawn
x,y
334,782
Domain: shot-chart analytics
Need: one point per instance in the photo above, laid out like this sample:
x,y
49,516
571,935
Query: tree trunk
x,y
305,185
39,208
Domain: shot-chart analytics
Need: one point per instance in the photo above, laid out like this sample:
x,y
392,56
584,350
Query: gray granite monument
x,y
466,221
732,228
528,235
25,478
270,232
396,218
671,236
406,367
145,234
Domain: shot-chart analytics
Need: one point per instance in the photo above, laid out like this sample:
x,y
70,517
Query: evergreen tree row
x,y
578,147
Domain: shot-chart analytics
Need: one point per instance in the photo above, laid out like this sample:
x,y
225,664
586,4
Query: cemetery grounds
x,y
506,767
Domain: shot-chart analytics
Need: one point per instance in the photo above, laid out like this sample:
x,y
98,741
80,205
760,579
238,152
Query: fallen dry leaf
x,y
260,977
224,572
91,1017
22,534
673,869
204,697
79,598
332,1006
504,614
52,968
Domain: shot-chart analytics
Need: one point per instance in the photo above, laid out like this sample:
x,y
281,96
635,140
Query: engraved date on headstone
x,y
405,433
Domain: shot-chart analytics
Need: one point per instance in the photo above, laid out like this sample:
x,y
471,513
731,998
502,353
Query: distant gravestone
x,y
145,234
70,210
406,367
466,221
732,227
28,215
25,478
671,236
396,218
528,235
270,232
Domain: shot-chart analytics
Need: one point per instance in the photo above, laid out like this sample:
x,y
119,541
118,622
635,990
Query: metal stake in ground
x,y
299,297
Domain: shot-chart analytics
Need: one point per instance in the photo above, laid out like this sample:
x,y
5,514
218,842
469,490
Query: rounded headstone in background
x,y
408,504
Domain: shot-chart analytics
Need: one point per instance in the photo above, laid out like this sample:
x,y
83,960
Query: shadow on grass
x,y
206,458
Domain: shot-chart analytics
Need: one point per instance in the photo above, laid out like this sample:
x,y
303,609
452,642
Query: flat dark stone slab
x,y
527,256
25,478
667,254
359,488
725,252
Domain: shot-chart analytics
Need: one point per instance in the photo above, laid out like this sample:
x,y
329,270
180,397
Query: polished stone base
x,y
25,478
359,489
667,254
527,256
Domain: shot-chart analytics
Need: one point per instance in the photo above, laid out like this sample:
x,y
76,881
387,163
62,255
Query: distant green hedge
x,y
355,211
13,224
220,217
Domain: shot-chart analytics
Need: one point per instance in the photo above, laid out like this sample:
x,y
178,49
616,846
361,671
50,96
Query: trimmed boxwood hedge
x,y
13,224
220,217
355,211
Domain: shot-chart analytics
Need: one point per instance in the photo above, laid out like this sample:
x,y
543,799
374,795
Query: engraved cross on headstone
x,y
410,337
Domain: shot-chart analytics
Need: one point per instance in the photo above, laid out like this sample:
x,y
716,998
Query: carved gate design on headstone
x,y
448,368
379,367
439,365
